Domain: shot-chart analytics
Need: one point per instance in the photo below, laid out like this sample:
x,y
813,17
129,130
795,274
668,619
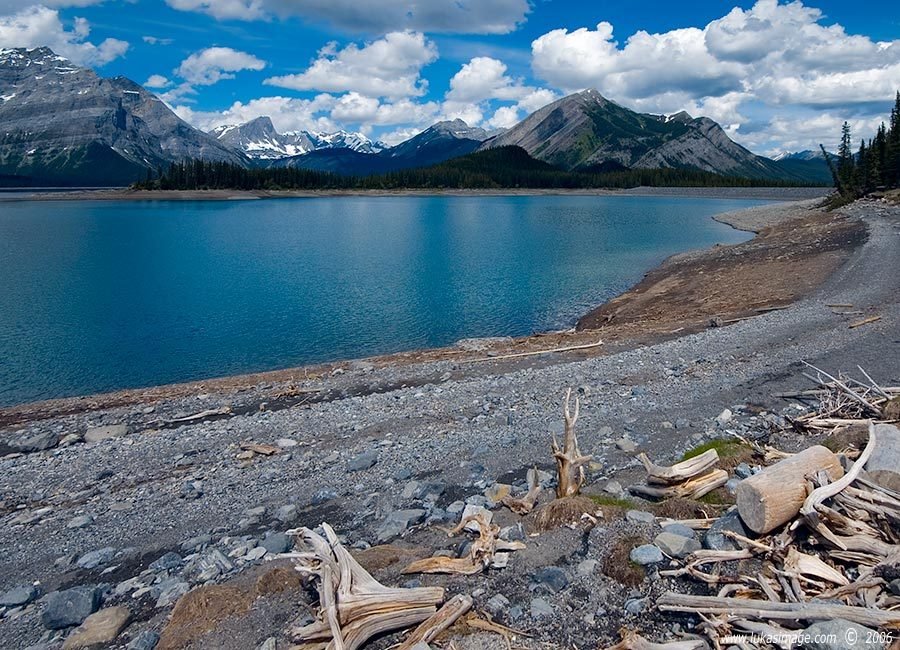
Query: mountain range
x,y
259,140
64,125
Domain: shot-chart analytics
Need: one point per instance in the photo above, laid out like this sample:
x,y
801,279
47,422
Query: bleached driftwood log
x,y
482,555
438,622
353,606
693,488
767,610
525,504
679,472
569,461
775,495
631,640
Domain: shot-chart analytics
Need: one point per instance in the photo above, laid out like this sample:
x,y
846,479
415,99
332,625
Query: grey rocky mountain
x,y
587,130
64,124
259,140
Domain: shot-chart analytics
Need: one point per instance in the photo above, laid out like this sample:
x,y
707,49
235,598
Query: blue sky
x,y
778,76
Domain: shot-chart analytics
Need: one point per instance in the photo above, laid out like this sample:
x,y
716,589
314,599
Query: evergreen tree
x,y
845,168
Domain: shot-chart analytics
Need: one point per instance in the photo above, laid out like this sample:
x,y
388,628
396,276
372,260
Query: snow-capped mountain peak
x,y
259,140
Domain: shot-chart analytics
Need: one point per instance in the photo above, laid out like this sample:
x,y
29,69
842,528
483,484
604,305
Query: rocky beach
x,y
124,503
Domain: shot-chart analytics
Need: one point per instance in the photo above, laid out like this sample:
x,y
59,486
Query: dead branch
x,y
693,488
569,461
631,640
767,610
679,472
438,622
526,504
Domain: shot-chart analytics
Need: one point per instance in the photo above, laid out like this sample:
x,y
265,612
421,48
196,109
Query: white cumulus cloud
x,y
387,67
40,26
453,16
748,68
157,81
213,64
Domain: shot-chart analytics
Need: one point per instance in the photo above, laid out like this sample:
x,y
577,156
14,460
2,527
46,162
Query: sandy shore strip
x,y
361,443
125,194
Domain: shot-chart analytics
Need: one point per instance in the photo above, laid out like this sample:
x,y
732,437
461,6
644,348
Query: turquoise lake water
x,y
97,296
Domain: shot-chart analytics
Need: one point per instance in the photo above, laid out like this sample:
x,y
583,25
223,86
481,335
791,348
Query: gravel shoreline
x,y
373,439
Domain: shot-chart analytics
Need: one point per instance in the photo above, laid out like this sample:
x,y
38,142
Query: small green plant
x,y
725,447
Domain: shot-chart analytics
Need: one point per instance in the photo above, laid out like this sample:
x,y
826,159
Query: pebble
x,y
286,443
195,543
552,577
675,545
626,445
19,596
540,608
640,517
473,510
635,606
80,521
30,443
169,591
743,471
323,496
680,529
497,604
166,562
256,553
716,541
724,417
286,513
276,543
146,640
70,607
98,434
93,559
397,522
646,554
586,568
363,461
614,488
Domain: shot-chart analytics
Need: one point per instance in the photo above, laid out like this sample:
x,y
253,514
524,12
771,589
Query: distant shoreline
x,y
759,193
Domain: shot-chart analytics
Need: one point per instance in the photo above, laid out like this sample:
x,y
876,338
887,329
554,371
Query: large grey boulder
x,y
70,607
33,442
98,434
839,634
397,522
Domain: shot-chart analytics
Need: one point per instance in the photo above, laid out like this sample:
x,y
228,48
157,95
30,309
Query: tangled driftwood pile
x,y
828,540
692,478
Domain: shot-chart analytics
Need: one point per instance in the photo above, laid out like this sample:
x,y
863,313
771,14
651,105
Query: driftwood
x,y
485,551
693,488
865,321
679,472
438,622
569,461
767,610
631,640
525,504
775,495
353,606
516,355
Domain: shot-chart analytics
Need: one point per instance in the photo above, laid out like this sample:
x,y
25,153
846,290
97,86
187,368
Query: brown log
x,y
440,621
569,461
767,610
680,471
775,495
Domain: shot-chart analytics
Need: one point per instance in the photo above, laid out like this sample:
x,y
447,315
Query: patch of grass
x,y
725,447
719,497
618,564
731,452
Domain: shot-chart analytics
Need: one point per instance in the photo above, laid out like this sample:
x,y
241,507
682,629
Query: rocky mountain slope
x,y
435,144
588,131
259,140
63,124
